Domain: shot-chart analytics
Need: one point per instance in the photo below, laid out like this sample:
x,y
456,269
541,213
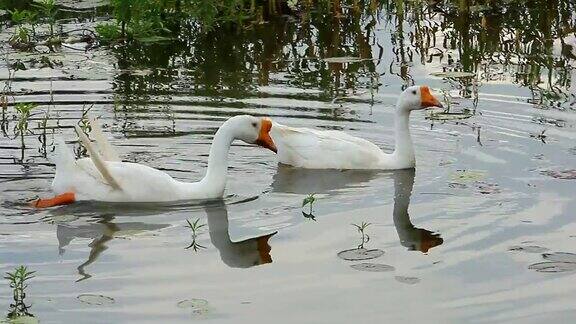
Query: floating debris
x,y
407,280
528,248
454,74
457,185
197,306
468,175
372,267
560,257
360,254
487,188
343,59
449,115
564,175
557,262
553,266
92,299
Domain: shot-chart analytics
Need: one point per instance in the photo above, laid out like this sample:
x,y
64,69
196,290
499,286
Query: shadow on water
x,y
103,229
412,237
243,254
102,232
304,181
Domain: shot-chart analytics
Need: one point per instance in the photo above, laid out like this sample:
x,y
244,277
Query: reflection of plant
x,y
18,282
365,237
195,227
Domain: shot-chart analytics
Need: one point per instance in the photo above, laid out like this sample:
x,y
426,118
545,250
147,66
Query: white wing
x,y
308,148
98,161
106,149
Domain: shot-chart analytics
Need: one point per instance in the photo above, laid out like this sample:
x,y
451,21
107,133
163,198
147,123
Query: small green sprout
x,y
85,126
21,128
43,136
21,34
195,226
309,200
365,237
108,32
18,282
49,11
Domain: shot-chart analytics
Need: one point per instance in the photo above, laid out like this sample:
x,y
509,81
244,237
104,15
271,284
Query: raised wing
x,y
107,151
98,161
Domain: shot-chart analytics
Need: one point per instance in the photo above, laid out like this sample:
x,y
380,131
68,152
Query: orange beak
x,y
427,99
264,138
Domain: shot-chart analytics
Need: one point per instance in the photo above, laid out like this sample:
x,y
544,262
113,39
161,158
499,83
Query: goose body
x,y
329,149
104,177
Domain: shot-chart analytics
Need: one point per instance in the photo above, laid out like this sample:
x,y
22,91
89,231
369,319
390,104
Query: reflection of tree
x,y
231,61
529,43
522,42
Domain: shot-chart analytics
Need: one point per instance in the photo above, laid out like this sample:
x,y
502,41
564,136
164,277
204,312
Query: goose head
x,y
417,98
253,130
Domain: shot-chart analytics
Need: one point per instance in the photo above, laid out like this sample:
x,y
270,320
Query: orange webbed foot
x,y
63,199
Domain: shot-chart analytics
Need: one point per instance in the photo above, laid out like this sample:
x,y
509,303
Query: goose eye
x,y
254,125
414,92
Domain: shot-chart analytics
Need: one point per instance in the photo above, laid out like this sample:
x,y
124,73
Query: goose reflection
x,y
304,181
412,237
101,232
243,254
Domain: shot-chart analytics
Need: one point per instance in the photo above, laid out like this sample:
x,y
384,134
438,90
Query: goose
x,y
330,149
104,177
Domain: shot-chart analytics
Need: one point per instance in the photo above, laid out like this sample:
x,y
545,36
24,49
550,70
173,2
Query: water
x,y
464,235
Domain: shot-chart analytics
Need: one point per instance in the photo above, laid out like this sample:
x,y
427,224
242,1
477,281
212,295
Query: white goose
x,y
104,177
329,149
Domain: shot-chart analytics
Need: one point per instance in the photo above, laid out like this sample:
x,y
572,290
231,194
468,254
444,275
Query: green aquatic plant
x,y
21,36
365,238
49,11
84,124
108,32
43,136
194,227
18,280
24,111
309,200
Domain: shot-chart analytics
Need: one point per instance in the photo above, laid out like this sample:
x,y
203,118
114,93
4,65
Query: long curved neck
x,y
214,182
403,149
218,159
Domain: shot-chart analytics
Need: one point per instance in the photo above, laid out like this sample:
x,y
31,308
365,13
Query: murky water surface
x,y
481,231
